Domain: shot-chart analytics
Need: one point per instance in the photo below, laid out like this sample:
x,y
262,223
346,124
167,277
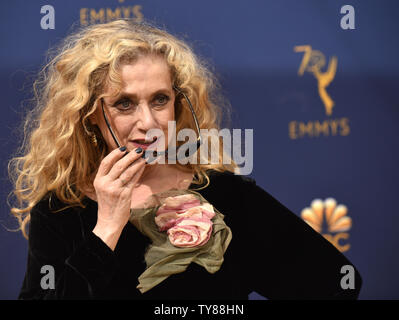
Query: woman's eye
x,y
123,104
162,99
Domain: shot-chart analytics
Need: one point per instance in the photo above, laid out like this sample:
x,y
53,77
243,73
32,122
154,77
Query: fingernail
x,y
138,150
122,149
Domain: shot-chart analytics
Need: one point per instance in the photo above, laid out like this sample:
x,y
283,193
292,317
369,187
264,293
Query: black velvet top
x,y
272,252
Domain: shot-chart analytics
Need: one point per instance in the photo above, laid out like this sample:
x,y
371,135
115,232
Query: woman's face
x,y
146,102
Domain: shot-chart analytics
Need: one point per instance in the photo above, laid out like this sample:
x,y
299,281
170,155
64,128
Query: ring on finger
x,y
123,181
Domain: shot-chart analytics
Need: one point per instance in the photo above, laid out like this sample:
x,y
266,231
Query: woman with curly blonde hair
x,y
84,174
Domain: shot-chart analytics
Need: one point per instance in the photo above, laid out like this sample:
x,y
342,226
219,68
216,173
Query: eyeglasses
x,y
152,155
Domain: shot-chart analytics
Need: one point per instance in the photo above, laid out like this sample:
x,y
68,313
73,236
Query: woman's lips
x,y
143,145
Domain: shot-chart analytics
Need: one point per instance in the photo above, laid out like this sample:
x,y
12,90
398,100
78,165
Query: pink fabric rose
x,y
190,232
187,221
181,206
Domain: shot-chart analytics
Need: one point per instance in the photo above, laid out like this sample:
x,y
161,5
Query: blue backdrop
x,y
322,102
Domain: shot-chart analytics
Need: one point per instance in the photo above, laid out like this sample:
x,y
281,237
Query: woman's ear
x,y
93,118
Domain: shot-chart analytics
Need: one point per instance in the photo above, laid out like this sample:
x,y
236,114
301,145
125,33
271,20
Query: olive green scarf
x,y
164,259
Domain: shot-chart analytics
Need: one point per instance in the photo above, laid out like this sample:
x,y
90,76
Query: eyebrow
x,y
133,95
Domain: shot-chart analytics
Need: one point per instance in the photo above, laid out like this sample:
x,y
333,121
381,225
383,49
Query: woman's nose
x,y
146,119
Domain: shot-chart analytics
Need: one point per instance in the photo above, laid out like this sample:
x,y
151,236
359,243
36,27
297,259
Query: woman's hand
x,y
116,177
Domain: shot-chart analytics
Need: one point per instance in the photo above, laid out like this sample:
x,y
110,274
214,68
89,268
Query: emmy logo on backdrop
x,y
313,61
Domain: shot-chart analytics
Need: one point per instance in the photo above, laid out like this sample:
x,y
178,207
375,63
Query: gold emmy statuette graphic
x,y
313,61
336,220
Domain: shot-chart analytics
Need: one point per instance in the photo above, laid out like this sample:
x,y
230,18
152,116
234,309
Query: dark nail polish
x,y
138,150
122,149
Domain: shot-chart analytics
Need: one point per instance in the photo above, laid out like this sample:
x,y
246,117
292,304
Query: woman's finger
x,y
108,162
120,166
139,169
131,172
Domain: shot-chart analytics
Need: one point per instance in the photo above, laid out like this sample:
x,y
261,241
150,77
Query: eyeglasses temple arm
x,y
109,126
193,114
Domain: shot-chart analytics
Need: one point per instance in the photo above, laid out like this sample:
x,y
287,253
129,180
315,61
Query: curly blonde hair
x,y
57,154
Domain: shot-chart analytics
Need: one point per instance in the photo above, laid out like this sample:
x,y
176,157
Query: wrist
x,y
108,235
